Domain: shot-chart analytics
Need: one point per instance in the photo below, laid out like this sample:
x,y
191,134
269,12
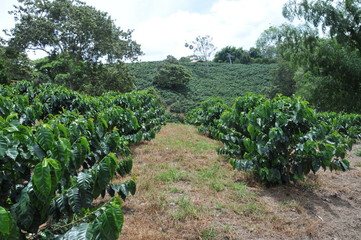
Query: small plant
x,y
358,153
209,234
172,175
186,209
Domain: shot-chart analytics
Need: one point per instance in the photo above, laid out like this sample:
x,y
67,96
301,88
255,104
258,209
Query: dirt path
x,y
186,191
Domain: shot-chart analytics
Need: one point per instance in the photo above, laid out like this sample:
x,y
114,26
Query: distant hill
x,y
226,81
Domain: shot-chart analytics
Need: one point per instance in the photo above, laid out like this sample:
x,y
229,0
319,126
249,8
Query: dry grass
x,y
186,191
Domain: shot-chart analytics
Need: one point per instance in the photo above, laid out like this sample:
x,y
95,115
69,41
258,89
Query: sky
x,y
162,27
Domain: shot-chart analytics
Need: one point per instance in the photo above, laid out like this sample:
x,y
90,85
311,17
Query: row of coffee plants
x,y
279,140
60,150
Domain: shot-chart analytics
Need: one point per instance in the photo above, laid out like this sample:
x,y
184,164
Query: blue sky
x,y
163,26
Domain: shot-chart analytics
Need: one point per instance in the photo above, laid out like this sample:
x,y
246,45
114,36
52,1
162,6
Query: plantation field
x,y
227,81
187,191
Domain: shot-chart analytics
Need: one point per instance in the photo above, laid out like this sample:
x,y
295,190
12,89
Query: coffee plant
x,y
60,150
280,140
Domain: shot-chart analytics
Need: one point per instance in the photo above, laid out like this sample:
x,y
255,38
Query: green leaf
x,y
74,200
42,178
125,166
125,189
38,152
62,151
84,231
249,145
24,209
5,221
252,131
109,224
12,152
45,137
85,184
3,145
57,169
345,165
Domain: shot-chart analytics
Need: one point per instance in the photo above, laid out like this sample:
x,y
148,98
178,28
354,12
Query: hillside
x,y
186,191
213,80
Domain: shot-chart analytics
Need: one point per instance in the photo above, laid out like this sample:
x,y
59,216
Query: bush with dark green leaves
x,y
279,140
206,114
172,76
60,150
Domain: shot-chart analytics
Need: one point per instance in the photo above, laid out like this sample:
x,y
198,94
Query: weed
x,y
215,177
358,153
175,190
217,186
219,206
186,209
209,234
172,175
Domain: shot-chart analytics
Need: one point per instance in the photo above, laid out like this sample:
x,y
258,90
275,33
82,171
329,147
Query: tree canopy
x,y
232,54
340,18
71,27
324,66
76,37
203,47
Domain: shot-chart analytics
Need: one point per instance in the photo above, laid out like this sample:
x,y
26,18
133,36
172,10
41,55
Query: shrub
x,y
172,76
280,140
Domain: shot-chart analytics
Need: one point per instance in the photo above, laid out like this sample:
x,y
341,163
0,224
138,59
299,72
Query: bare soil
x,y
186,191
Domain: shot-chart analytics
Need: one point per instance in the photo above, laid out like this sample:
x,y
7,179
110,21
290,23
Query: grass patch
x,y
186,210
176,190
358,153
214,176
172,175
195,145
209,234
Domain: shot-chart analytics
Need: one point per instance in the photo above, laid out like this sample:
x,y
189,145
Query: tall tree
x,y
341,18
203,47
232,55
326,68
71,29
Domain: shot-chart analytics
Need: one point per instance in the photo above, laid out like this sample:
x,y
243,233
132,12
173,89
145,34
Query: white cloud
x,y
163,26
236,23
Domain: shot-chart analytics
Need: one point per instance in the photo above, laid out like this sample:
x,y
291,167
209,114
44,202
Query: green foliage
x,y
206,114
282,139
14,65
283,80
341,18
172,76
66,156
78,39
326,72
232,55
225,81
331,81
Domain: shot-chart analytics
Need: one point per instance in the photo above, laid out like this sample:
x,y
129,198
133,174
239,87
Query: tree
x,y
232,54
203,47
108,77
326,68
92,79
171,74
73,32
14,65
331,80
341,18
283,80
